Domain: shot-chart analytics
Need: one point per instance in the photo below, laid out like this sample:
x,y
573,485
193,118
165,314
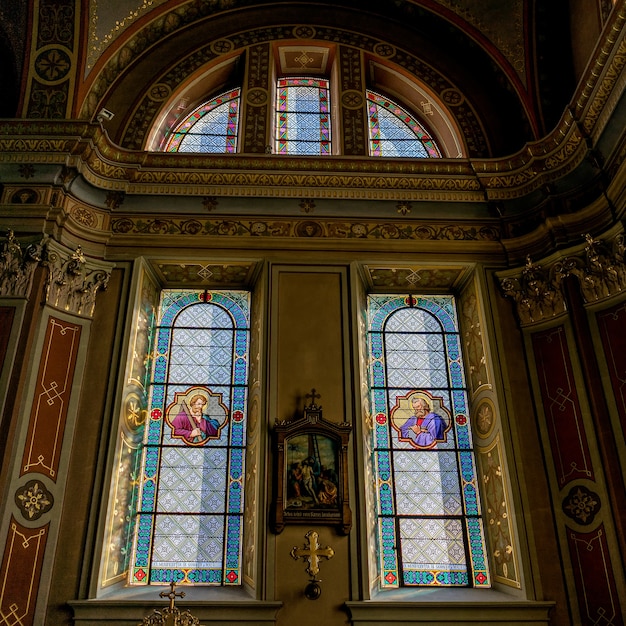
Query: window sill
x,y
461,607
129,607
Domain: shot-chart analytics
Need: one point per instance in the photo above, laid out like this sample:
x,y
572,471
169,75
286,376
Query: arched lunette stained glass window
x,y
212,127
430,530
396,133
189,520
303,116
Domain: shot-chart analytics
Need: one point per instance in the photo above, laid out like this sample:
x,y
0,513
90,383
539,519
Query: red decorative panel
x,y
49,411
20,573
7,313
566,431
598,601
612,323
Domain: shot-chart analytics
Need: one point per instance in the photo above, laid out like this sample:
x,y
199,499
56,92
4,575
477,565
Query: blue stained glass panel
x,y
430,530
189,527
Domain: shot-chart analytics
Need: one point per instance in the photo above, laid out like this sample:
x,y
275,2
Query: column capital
x,y
17,266
74,279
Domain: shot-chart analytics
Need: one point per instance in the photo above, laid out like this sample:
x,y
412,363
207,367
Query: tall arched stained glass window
x,y
396,133
303,116
212,127
430,530
189,520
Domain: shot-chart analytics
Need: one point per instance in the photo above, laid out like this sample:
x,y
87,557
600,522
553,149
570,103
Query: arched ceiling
x,y
513,93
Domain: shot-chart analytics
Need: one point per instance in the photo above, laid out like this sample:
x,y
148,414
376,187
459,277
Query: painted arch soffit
x,y
500,22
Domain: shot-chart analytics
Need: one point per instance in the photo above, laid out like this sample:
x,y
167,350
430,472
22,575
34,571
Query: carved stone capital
x,y
17,266
73,279
600,268
536,293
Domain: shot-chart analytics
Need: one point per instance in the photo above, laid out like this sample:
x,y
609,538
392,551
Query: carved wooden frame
x,y
288,436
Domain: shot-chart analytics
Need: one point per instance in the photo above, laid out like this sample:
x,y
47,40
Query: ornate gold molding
x,y
88,149
306,229
498,513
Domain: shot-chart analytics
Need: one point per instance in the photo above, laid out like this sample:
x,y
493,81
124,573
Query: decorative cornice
x,y
600,268
88,149
17,266
73,280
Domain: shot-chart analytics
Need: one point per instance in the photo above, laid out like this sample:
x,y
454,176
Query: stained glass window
x,y
189,520
430,531
396,133
212,127
303,116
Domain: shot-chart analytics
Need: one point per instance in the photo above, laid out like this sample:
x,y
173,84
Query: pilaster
x,y
44,423
559,302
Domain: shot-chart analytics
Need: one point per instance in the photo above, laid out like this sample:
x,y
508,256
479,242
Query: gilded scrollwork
x,y
307,228
84,216
473,339
498,515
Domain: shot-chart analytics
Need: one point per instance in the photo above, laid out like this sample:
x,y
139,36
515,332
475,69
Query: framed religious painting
x,y
311,478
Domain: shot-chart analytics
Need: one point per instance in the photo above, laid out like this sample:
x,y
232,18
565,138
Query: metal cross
x,y
313,553
171,594
313,395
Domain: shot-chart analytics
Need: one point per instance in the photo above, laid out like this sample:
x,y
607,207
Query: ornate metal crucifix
x,y
170,616
312,553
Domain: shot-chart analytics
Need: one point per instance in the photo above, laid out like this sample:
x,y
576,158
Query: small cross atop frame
x,y
313,396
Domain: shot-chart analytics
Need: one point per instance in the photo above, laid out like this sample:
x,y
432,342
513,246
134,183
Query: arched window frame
x,y
302,124
227,446
389,445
